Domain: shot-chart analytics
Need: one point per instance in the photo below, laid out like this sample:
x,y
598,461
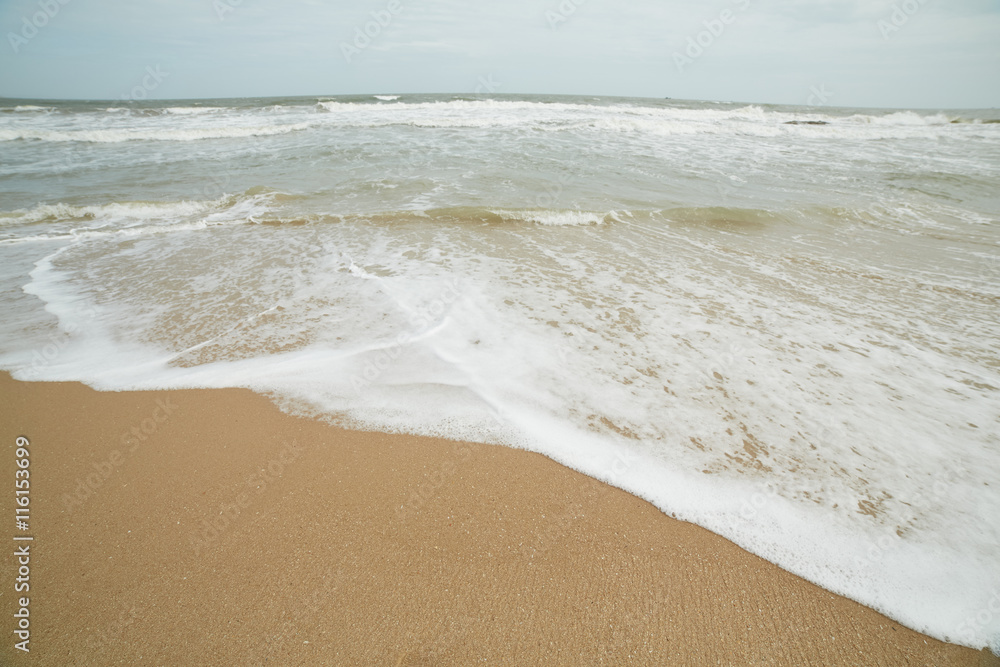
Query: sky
x,y
855,53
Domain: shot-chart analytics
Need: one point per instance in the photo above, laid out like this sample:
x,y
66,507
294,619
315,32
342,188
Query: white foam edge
x,y
903,583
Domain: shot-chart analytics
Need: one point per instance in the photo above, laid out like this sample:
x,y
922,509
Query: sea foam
x,y
785,333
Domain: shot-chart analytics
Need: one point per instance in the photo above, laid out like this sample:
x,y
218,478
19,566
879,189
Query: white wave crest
x,y
553,218
188,111
247,205
111,136
30,108
108,212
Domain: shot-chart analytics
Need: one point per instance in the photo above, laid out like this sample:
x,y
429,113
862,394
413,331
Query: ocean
x,y
781,323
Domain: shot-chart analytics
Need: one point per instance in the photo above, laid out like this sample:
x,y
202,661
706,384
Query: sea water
x,y
780,323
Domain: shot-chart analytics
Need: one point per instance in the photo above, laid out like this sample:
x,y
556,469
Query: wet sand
x,y
205,527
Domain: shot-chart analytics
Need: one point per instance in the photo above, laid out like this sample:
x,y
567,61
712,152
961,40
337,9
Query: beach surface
x,y
206,527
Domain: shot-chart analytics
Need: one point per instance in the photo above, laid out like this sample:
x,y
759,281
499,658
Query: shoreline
x,y
207,527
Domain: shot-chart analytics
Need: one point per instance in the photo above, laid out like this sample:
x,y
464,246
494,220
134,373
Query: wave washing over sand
x,y
783,319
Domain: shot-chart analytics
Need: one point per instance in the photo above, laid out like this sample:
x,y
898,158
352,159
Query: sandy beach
x,y
205,527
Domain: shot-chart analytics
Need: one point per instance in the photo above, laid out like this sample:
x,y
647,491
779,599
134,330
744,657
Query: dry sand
x,y
357,548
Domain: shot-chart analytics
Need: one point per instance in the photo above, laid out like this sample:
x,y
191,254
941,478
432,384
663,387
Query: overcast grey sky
x,y
879,53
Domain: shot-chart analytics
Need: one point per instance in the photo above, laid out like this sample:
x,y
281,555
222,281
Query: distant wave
x,y
751,120
553,218
194,123
118,210
27,109
187,111
265,206
112,136
140,217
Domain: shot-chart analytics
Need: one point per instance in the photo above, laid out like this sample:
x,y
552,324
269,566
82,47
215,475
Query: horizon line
x,y
481,95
